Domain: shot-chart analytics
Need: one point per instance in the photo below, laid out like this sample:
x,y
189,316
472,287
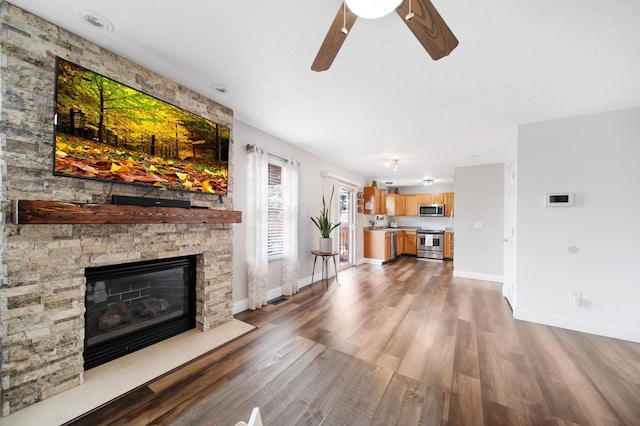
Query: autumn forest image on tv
x,y
106,130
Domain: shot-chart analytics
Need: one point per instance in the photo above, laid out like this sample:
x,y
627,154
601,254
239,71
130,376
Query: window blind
x,y
275,237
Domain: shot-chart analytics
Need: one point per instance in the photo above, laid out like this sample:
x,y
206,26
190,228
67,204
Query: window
x,y
275,197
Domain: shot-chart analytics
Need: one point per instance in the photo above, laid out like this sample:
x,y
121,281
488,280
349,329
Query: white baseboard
x,y
478,276
372,261
240,306
577,325
274,293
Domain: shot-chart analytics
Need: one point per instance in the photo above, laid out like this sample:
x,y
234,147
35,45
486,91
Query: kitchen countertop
x,y
387,229
399,228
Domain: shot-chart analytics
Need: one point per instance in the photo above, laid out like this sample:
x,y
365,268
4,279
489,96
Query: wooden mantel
x,y
29,212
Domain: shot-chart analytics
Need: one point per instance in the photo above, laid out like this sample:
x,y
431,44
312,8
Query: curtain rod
x,y
256,148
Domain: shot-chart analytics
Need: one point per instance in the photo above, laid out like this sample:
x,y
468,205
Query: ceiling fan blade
x,y
333,40
429,28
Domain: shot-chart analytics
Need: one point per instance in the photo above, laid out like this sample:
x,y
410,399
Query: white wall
x,y
479,201
597,157
312,185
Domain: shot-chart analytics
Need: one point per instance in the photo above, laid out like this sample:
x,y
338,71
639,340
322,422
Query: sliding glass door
x,y
347,227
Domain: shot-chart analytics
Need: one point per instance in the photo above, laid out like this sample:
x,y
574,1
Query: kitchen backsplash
x,y
421,222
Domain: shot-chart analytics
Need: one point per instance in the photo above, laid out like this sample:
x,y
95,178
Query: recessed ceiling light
x,y
219,88
96,20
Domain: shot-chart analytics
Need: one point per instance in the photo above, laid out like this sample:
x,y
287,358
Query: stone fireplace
x,y
43,287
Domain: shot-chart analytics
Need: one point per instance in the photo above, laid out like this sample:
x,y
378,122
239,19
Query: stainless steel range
x,y
430,244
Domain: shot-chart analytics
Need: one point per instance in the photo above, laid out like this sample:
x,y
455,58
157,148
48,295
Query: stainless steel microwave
x,y
430,210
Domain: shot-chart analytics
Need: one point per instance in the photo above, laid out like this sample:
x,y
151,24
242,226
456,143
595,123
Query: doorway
x,y
347,227
509,251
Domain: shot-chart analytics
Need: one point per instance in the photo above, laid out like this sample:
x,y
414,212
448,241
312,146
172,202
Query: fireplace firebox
x,y
134,305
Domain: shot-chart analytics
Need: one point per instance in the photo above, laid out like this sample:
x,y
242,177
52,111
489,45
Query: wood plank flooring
x,y
414,318
305,382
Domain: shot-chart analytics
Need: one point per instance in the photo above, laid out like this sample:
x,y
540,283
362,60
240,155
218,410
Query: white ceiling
x,y
518,61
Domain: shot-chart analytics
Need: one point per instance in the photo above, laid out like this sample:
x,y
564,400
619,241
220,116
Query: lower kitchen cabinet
x,y
406,242
410,241
377,245
400,242
448,245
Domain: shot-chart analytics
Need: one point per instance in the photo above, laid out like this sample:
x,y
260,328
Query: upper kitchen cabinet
x,y
374,200
448,204
424,198
446,199
411,205
395,204
402,204
430,198
407,204
437,198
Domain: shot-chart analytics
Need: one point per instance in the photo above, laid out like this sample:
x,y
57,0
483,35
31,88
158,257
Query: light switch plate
x,y
478,225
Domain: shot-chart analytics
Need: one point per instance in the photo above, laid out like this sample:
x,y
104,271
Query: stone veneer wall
x,y
42,283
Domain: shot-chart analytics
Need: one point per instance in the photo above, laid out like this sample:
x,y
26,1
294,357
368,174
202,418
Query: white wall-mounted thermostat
x,y
562,199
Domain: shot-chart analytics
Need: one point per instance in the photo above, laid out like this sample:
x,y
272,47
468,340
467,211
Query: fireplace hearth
x,y
131,306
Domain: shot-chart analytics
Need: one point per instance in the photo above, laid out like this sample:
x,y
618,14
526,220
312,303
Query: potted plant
x,y
325,226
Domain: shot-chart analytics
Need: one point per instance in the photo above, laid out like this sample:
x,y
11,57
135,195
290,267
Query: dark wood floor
x,y
412,317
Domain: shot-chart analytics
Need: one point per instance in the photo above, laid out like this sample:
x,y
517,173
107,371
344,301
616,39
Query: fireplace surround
x,y
43,282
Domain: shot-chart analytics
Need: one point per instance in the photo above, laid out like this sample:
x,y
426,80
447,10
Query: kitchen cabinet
x,y
395,205
377,245
410,241
387,246
448,245
430,198
437,198
402,205
406,242
448,204
424,198
374,200
400,242
411,205
445,198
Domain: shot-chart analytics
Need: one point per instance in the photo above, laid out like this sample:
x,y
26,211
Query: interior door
x,y
509,252
347,227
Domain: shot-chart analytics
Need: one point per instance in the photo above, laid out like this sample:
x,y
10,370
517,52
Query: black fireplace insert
x,y
131,306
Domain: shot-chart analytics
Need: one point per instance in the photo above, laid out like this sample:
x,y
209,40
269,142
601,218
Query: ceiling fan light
x,y
372,9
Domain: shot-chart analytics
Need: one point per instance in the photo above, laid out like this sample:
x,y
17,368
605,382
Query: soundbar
x,y
149,202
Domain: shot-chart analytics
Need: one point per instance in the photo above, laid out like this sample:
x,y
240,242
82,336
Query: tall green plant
x,y
322,221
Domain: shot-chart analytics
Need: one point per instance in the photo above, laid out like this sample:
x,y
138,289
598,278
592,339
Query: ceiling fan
x,y
421,17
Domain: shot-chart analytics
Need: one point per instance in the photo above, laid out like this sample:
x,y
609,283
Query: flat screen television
x,y
107,131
